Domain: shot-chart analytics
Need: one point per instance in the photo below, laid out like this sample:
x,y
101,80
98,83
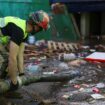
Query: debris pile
x,y
52,58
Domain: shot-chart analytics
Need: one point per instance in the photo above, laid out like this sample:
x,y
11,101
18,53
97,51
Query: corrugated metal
x,y
36,1
15,0
65,30
22,8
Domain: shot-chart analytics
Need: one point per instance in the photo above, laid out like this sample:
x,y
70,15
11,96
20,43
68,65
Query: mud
x,y
37,93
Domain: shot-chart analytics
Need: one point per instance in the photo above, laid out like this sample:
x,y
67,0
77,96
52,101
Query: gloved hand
x,y
21,74
14,87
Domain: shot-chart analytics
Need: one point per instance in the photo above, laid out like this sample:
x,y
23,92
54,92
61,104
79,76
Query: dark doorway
x,y
95,28
95,23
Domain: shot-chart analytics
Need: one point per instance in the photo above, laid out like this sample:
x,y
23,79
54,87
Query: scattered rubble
x,y
60,57
89,87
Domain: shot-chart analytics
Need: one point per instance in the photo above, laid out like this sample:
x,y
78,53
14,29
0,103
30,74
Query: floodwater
x,y
35,93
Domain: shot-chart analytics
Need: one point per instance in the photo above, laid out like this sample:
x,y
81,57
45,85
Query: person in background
x,y
17,30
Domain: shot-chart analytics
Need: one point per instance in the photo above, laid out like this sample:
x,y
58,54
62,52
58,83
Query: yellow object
x,y
19,22
4,39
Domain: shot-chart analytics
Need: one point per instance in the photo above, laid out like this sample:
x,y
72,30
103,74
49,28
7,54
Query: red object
x,y
77,86
96,90
90,59
96,57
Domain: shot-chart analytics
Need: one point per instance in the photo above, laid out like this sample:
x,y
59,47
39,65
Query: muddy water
x,y
34,94
31,95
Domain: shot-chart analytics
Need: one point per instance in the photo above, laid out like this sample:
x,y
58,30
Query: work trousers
x,y
3,60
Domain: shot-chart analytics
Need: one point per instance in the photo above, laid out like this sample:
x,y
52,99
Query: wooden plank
x,y
66,46
54,45
71,47
49,45
60,46
76,46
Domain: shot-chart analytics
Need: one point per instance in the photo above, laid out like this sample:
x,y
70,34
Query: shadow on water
x,y
33,94
8,101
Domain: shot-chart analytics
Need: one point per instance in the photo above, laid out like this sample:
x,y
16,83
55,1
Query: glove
x,y
14,87
21,74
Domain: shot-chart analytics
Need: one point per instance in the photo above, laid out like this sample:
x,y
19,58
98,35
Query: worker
x,y
17,31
